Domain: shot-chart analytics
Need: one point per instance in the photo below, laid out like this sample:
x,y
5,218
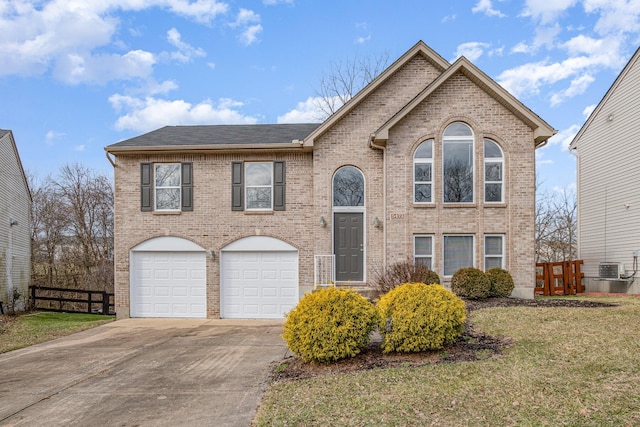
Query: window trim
x,y
499,160
423,161
460,140
156,187
270,186
416,256
444,253
502,249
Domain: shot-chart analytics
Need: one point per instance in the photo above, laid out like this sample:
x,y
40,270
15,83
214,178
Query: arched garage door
x,y
168,279
259,278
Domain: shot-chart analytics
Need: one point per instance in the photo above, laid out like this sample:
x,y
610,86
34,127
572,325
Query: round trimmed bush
x,y
500,282
470,283
416,317
328,325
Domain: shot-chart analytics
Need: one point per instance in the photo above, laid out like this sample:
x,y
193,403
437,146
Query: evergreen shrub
x,y
329,324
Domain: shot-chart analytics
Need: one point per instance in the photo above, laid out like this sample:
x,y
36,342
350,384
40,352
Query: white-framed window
x,y
167,186
457,252
423,250
493,251
348,187
423,173
258,185
457,163
493,172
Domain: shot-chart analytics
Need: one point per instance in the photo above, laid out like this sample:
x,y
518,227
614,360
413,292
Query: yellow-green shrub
x,y
500,282
470,283
329,325
417,317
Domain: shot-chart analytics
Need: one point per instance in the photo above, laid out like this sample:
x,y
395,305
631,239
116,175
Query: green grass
x,y
565,367
22,331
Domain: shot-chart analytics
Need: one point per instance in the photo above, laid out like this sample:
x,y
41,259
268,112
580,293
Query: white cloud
x,y
150,113
308,111
546,11
362,40
448,18
586,56
578,86
276,2
249,22
521,47
615,15
51,136
75,68
486,7
471,50
79,148
185,52
564,137
588,110
37,36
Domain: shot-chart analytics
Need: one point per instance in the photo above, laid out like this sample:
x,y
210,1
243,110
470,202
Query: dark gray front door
x,y
348,246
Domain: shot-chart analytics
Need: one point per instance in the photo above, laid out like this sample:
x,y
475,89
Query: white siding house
x,y
608,176
15,236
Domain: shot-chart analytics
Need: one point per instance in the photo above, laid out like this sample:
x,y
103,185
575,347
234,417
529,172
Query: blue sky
x,y
78,75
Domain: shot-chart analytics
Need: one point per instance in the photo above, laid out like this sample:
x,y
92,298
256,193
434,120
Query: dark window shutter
x,y
187,186
237,186
146,199
278,186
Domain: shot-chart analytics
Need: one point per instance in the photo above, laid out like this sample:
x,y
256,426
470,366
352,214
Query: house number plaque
x,y
396,216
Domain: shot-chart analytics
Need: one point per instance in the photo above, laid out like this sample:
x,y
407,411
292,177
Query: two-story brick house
x,y
431,160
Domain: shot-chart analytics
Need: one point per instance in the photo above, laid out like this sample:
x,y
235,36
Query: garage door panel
x,y
168,284
258,284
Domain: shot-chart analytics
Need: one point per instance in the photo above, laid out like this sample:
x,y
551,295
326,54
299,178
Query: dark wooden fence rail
x,y
68,300
559,278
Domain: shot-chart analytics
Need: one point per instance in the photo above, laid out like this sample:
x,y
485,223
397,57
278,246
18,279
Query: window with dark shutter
x,y
278,186
146,202
237,186
187,186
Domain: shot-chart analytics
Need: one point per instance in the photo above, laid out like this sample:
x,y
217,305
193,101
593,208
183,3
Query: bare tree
x,y
72,232
344,79
556,226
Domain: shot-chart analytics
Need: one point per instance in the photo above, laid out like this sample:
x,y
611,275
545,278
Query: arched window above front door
x,y
348,187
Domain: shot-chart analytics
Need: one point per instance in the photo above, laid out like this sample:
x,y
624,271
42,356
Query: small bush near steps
x,y
402,272
470,283
418,317
500,282
329,325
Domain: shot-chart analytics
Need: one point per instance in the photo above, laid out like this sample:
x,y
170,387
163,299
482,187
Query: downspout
x,y
384,196
574,152
109,158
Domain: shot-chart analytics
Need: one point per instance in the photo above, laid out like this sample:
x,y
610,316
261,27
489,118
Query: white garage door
x,y
168,284
258,284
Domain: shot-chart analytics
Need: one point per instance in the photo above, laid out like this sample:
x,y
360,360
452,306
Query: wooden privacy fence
x,y
71,300
559,278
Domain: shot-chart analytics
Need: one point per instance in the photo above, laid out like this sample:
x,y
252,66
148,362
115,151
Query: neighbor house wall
x,y
608,181
15,241
212,224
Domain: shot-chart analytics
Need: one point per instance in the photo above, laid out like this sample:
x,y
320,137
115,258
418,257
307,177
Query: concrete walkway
x,y
143,372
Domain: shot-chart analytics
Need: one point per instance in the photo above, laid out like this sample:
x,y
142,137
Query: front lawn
x,y
25,330
564,366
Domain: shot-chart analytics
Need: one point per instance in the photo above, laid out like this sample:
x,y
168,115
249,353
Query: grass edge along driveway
x,y
23,330
566,366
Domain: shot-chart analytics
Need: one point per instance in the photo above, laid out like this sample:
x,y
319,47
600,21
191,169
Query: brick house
x,y
432,161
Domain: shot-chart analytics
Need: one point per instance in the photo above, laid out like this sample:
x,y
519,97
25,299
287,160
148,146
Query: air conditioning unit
x,y
611,270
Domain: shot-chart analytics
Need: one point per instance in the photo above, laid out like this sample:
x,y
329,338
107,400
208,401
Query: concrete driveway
x,y
143,372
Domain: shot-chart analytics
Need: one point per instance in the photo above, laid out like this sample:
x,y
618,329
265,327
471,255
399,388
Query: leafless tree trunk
x,y
344,79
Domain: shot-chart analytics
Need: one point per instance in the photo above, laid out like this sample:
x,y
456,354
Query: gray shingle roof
x,y
3,132
220,134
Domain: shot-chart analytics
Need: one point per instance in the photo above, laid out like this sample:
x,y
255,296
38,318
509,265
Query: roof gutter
x,y
296,146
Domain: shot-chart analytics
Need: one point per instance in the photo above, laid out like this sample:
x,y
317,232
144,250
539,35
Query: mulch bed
x,y
470,346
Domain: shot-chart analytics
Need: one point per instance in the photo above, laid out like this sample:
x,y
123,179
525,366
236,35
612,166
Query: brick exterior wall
x,y
213,224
